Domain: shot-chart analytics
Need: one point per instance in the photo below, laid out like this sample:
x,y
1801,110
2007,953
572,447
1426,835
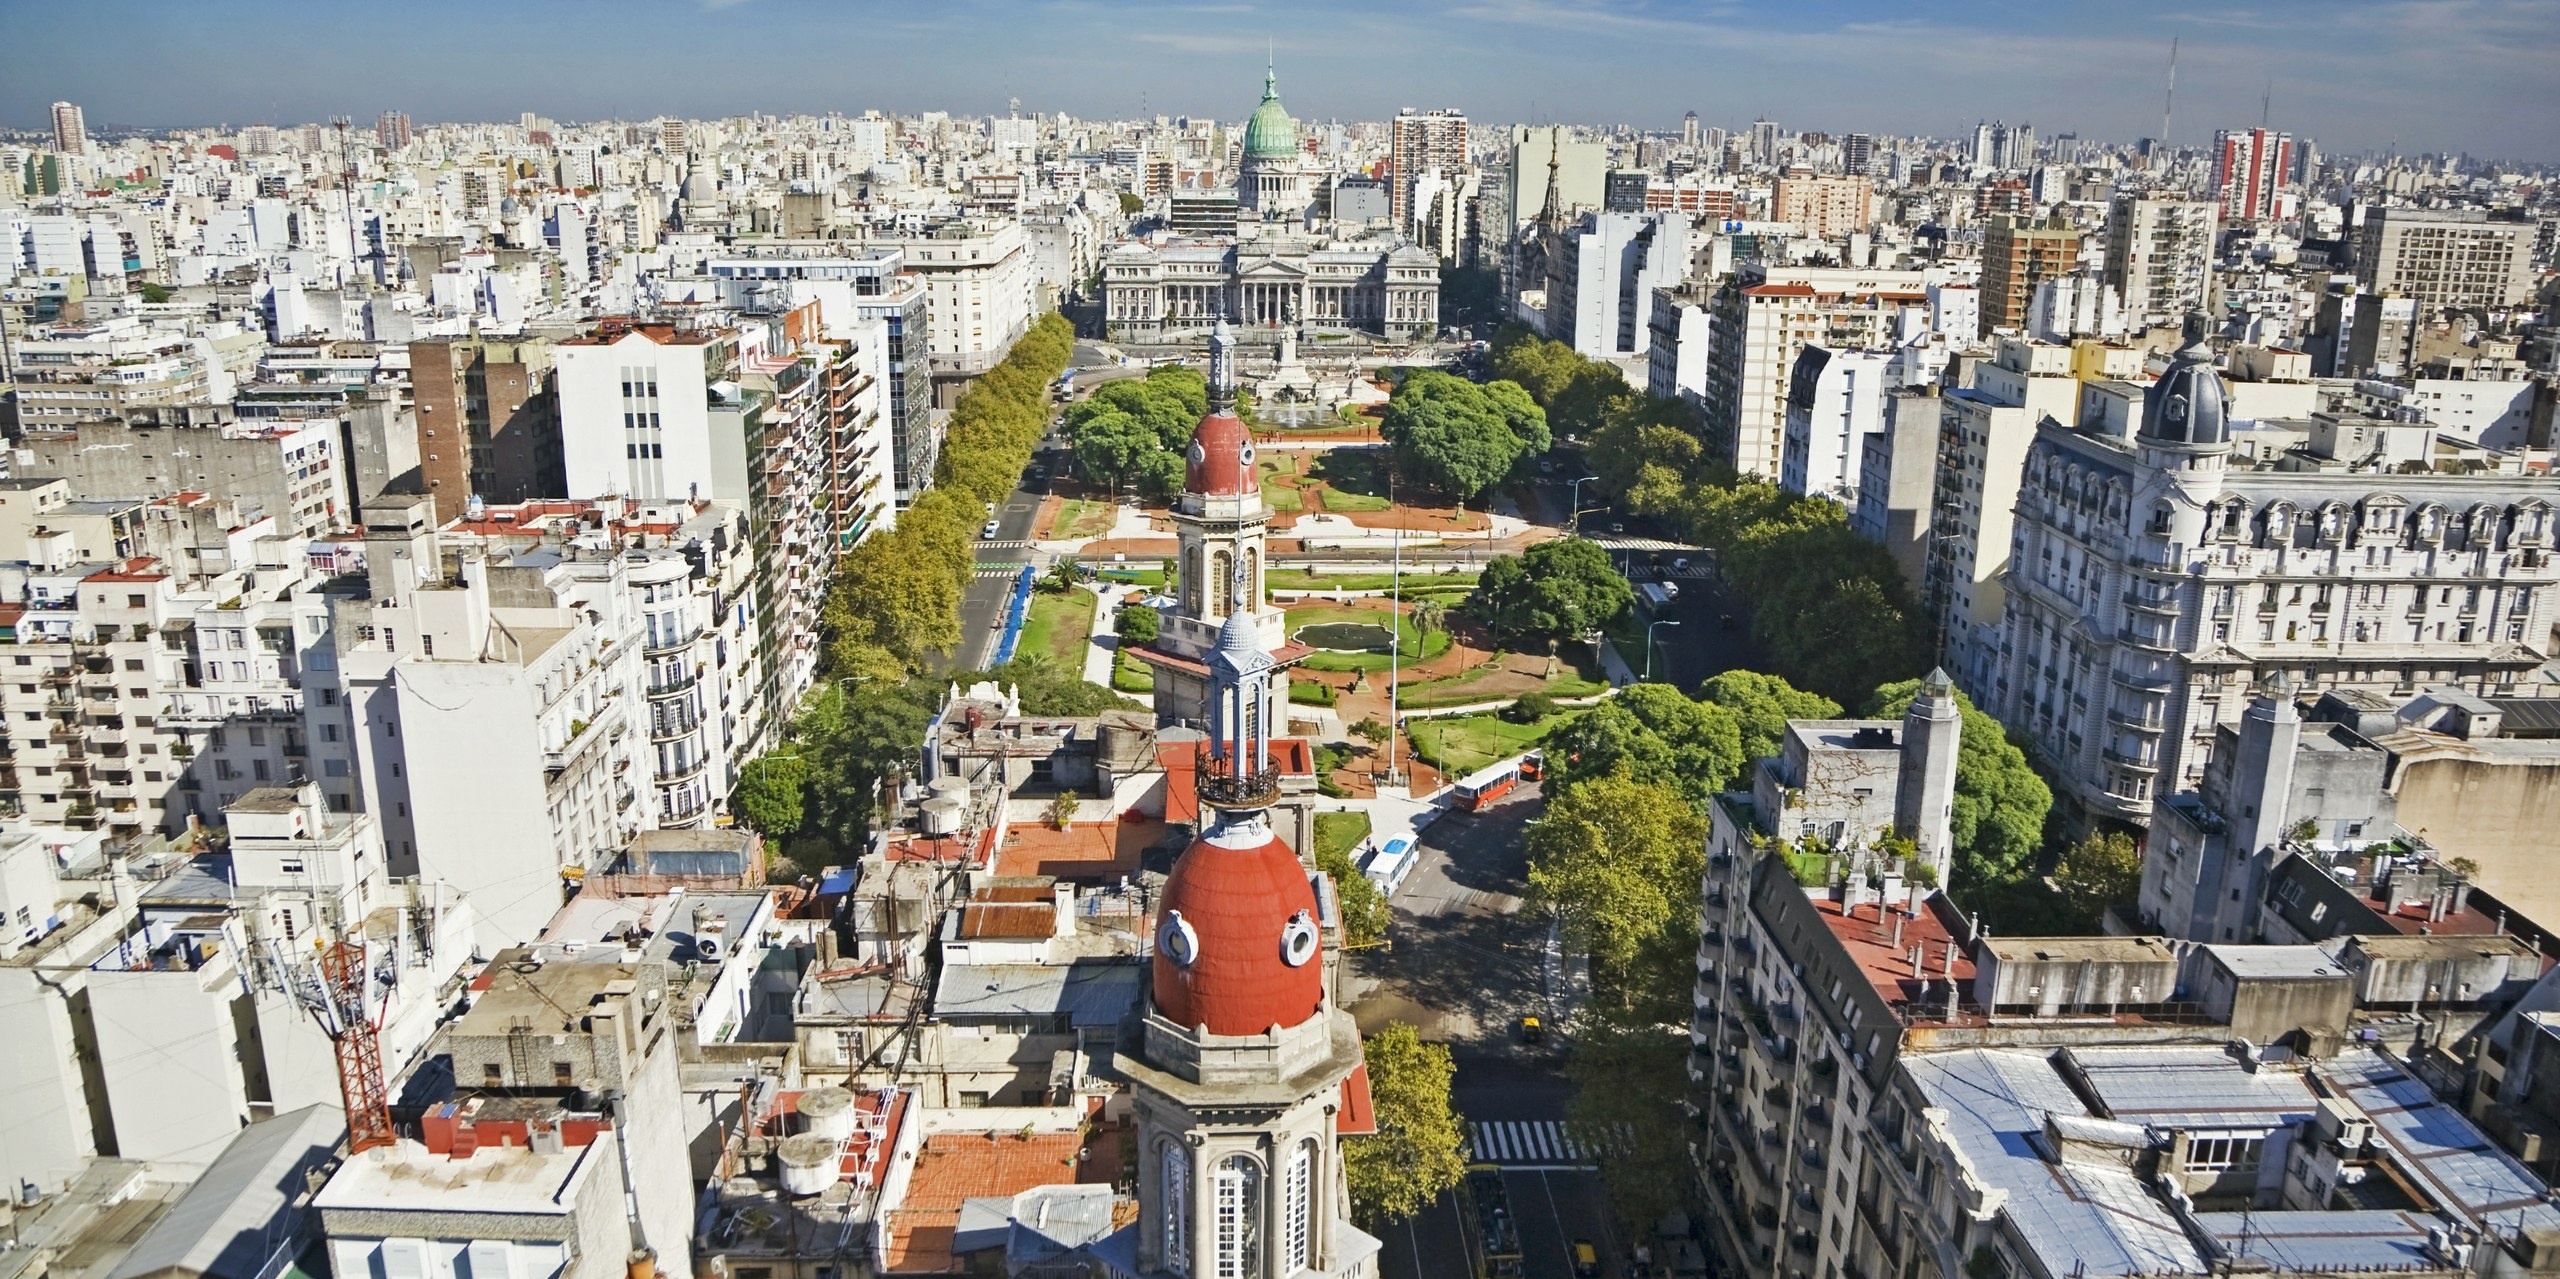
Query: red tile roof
x,y
954,1167
1359,1114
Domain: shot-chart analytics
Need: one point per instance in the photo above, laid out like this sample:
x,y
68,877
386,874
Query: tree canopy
x,y
1761,705
1997,820
1654,734
768,795
1413,1157
1457,437
1618,859
1629,1078
1134,431
1556,589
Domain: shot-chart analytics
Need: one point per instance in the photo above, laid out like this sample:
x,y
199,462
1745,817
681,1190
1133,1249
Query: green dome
x,y
1270,134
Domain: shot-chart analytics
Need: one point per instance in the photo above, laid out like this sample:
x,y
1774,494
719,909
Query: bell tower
x,y
1245,1071
1221,524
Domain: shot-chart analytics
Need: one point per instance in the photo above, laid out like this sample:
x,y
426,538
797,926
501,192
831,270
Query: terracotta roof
x,y
1870,941
1359,1114
1008,919
954,1167
1220,460
1779,291
1293,651
1239,904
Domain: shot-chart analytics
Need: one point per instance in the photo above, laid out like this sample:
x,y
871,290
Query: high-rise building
x,y
1601,275
2250,168
1857,152
1418,141
1764,142
391,129
2159,254
488,425
1824,208
2442,258
70,132
1762,317
2019,252
1689,131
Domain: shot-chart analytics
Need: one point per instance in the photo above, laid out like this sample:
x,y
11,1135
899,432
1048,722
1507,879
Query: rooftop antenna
x,y
2266,102
347,184
2169,104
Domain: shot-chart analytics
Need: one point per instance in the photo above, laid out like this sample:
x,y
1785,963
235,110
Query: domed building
x,y
1246,1072
1271,181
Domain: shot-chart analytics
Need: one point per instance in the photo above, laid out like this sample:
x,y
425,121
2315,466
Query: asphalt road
x,y
982,605
1467,963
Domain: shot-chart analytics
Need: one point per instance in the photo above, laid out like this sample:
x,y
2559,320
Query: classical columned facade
x,y
1175,292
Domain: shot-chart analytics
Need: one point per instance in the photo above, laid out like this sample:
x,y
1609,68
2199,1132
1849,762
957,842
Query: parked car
x,y
987,533
1586,1260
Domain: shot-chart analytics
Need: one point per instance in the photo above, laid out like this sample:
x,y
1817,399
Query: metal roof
x,y
242,1210
1090,994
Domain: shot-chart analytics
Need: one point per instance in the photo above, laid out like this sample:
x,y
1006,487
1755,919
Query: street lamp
x,y
1577,502
1648,644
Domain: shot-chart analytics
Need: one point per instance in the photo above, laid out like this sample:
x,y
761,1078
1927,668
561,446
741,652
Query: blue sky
x,y
2481,75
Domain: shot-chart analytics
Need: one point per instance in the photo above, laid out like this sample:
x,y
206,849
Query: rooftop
x,y
955,1167
510,1179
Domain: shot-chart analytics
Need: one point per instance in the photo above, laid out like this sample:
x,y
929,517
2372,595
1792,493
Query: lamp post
x,y
1648,644
1577,502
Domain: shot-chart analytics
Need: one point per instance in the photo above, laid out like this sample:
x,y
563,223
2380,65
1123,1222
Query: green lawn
x,y
1415,582
1340,832
1132,676
1474,686
1355,479
1278,491
1133,576
1081,519
1462,744
1059,626
1416,645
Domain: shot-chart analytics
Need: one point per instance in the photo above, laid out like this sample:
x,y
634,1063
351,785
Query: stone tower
x,y
1244,1070
1924,798
1221,523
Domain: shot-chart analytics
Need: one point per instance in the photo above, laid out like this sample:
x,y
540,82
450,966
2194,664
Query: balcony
x,y
685,772
676,684
658,642
2122,760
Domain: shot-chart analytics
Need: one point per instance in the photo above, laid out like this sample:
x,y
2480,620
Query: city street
x,y
1467,964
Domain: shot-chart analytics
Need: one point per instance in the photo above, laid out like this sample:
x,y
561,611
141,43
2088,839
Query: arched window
x,y
1222,566
1237,1184
1252,577
1192,583
1298,1231
1177,1207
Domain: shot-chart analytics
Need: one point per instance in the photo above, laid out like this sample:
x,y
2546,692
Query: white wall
x,y
593,440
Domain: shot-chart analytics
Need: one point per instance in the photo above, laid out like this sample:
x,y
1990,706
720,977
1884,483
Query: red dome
x,y
1242,913
1220,462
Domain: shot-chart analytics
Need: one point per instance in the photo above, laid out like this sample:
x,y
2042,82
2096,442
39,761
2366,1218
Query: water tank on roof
x,y
808,1164
828,1111
942,814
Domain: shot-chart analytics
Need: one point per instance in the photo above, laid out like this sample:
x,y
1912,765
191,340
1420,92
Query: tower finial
x,y
1222,368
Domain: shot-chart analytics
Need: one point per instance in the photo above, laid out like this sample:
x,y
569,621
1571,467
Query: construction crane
x,y
337,991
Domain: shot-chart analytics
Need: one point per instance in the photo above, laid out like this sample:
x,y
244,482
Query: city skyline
x,y
2404,75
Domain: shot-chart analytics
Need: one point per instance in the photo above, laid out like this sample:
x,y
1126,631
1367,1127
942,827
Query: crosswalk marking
x,y
1530,1143
1014,570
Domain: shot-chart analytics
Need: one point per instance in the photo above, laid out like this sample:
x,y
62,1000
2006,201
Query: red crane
x,y
343,1006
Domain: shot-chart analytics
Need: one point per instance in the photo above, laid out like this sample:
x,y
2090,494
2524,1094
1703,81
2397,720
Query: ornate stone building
x,y
1380,285
1245,1070
1278,268
2154,580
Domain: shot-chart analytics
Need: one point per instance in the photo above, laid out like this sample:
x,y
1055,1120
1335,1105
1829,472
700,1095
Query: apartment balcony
x,y
670,642
676,729
685,773
57,677
673,685
2122,760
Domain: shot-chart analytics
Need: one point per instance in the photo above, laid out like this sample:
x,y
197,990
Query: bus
x,y
1480,789
1494,1240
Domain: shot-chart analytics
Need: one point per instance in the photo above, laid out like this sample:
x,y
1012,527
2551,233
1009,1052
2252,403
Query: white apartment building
x,y
1764,316
494,735
1600,285
981,291
1835,399
2157,576
1984,431
2159,254
2441,258
197,960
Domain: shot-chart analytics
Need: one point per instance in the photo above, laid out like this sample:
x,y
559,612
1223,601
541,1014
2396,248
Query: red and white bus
x,y
1480,790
